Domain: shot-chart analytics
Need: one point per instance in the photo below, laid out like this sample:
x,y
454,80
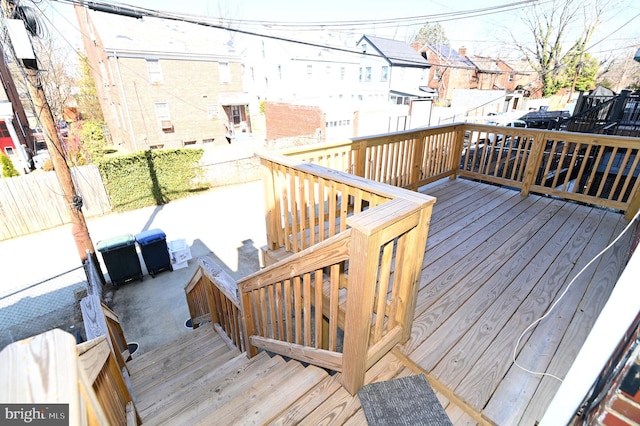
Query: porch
x,y
495,261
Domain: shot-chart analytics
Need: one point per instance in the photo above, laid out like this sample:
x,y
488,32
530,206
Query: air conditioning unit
x,y
166,125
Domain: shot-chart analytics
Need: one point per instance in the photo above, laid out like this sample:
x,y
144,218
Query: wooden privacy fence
x,y
35,202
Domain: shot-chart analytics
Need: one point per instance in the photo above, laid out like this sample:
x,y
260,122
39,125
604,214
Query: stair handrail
x,y
212,295
52,368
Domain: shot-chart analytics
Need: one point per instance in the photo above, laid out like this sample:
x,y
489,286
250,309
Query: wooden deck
x,y
495,262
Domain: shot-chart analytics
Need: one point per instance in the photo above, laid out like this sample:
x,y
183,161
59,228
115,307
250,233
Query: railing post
x,y
413,269
248,323
419,145
457,151
634,206
213,311
533,162
359,150
363,268
269,204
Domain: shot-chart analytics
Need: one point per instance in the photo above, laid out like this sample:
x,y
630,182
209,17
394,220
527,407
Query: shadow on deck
x,y
496,262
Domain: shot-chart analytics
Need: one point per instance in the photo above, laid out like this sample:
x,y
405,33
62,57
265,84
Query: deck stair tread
x,y
174,363
204,381
196,375
201,334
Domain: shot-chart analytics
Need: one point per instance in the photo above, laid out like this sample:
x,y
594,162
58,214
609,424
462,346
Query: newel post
x,y
270,213
533,162
363,268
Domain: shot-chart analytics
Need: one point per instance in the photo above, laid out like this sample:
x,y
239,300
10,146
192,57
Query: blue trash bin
x,y
153,246
121,258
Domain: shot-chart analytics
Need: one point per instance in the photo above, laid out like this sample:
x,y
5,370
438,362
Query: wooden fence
x,y
35,202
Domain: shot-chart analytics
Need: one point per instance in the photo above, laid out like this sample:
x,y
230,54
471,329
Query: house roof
x,y
397,53
521,66
485,64
451,56
161,37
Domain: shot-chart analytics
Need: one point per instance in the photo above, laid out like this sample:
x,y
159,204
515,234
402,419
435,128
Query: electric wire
x,y
552,307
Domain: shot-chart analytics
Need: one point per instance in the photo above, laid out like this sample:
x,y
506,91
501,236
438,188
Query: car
x,y
510,123
38,139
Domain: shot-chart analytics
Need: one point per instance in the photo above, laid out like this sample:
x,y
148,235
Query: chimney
x,y
462,51
416,46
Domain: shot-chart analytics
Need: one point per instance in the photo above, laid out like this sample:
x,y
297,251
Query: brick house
x,y
162,83
449,70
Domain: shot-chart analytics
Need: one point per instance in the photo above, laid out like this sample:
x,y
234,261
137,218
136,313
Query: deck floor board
x,y
494,263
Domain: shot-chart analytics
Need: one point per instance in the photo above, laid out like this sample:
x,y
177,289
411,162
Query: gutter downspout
x,y
126,104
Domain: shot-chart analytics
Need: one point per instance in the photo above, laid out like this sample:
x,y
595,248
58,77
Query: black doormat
x,y
405,401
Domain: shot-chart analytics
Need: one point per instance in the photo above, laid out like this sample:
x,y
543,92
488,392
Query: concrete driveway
x,y
225,223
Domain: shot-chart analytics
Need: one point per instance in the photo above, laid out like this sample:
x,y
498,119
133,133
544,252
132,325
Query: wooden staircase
x,y
199,379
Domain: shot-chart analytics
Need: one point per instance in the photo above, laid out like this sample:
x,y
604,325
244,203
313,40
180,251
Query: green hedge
x,y
151,177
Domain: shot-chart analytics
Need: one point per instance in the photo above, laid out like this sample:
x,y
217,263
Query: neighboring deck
x,y
495,262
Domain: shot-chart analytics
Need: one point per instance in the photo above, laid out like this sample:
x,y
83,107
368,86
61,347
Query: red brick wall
x,y
288,120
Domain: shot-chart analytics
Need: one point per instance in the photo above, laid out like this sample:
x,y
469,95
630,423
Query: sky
x,y
481,35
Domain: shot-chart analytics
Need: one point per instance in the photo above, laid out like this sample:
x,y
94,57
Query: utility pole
x,y
43,113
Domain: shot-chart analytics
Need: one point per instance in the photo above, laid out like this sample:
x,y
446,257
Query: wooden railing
x,y
50,368
594,169
107,381
405,159
212,296
346,295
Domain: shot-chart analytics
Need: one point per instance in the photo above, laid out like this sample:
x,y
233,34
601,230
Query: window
x,y
225,73
208,140
360,74
213,111
162,111
188,143
9,150
328,69
4,130
343,72
155,73
162,114
385,74
236,114
510,77
309,71
367,75
280,72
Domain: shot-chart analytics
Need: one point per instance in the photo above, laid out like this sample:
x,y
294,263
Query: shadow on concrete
x,y
153,311
53,304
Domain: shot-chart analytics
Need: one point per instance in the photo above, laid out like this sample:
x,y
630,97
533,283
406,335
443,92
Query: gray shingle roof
x,y
451,56
160,36
396,52
485,64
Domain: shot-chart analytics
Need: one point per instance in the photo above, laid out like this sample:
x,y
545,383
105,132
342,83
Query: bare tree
x,y
58,73
560,33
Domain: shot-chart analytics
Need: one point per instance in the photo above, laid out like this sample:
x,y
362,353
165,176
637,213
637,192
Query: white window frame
x,y
384,74
154,70
225,72
213,111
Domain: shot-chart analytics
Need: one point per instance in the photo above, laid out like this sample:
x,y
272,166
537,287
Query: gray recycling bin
x,y
121,258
